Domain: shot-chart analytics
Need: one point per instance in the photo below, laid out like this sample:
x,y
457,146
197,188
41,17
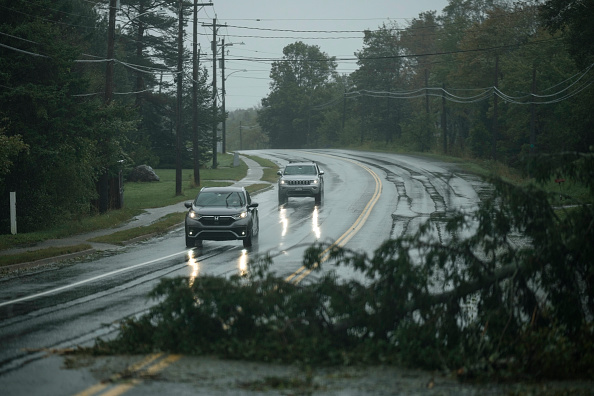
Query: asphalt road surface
x,y
368,198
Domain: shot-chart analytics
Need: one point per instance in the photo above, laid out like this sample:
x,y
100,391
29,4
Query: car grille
x,y
299,182
216,220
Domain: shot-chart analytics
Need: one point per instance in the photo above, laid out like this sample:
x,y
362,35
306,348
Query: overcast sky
x,y
265,27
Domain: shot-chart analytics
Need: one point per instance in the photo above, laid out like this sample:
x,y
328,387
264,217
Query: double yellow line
x,y
302,272
149,366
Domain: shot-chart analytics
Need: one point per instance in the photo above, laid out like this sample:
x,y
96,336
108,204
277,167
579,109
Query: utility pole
x,y
195,60
223,147
178,129
214,94
533,113
426,91
444,120
195,67
214,91
494,148
103,182
110,51
343,109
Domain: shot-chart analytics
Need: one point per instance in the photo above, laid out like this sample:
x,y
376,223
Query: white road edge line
x,y
70,286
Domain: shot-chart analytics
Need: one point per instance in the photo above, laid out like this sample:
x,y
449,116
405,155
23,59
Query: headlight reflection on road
x,y
242,262
315,226
194,264
284,221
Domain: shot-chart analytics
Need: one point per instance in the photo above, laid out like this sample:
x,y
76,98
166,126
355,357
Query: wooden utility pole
x,y
224,143
110,51
195,67
495,113
195,60
178,113
533,113
240,137
214,91
426,91
103,182
444,126
214,94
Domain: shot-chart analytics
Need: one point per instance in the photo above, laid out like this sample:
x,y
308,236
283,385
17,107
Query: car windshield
x,y
209,198
300,170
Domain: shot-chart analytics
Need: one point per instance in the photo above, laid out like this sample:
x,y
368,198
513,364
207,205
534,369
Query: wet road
x,y
369,197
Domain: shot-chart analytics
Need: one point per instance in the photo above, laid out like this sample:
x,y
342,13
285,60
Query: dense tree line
x,y
59,134
484,79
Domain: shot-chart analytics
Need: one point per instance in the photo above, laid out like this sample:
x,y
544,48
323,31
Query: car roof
x,y
300,163
223,189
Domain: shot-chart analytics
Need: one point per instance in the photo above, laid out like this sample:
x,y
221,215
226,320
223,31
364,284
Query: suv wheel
x,y
282,198
318,198
247,242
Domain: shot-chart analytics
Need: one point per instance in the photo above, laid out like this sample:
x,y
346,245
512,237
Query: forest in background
x,y
483,79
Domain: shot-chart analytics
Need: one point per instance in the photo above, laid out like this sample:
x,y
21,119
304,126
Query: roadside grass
x,y
91,223
269,168
121,237
34,255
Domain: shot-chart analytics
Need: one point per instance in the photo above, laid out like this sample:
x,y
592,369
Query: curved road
x,y
369,197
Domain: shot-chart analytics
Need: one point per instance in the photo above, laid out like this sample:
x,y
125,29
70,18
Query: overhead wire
x,y
428,92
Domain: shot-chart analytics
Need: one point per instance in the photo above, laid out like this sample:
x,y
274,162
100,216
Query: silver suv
x,y
300,179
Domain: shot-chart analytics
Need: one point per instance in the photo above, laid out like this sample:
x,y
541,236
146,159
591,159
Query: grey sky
x,y
249,22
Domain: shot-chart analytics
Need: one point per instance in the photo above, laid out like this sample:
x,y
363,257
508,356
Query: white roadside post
x,y
13,225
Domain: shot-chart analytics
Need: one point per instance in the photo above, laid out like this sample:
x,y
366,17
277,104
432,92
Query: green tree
x,y
148,37
10,147
298,81
47,99
574,19
382,69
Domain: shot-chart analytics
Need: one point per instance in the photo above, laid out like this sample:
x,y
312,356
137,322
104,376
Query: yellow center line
x,y
163,363
122,388
302,272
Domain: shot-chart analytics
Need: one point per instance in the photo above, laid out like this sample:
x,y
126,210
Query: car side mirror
x,y
280,173
188,204
253,205
321,172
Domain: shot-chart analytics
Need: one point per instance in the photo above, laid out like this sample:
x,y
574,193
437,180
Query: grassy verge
x,y
121,237
35,255
269,168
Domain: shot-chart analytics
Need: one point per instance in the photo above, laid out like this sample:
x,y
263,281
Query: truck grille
x,y
299,182
216,220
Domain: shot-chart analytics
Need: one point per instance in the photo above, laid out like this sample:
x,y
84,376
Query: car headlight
x,y
239,216
282,182
315,181
193,215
